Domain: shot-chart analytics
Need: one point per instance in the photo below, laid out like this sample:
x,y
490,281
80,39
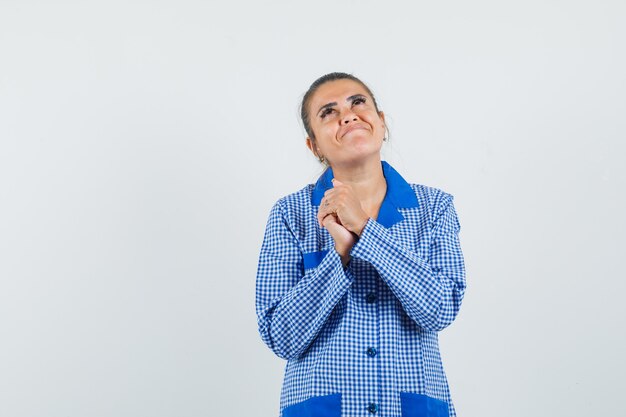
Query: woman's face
x,y
346,125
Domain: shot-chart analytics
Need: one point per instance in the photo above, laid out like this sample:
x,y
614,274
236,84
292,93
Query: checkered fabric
x,y
362,340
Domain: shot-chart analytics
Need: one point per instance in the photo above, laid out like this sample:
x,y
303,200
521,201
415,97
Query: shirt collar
x,y
399,194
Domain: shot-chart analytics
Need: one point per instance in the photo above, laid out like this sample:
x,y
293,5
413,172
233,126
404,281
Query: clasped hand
x,y
341,214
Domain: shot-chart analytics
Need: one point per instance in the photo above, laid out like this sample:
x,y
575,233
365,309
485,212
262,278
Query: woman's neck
x,y
366,180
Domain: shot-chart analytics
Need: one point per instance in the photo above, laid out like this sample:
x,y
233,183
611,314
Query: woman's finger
x,y
323,211
327,206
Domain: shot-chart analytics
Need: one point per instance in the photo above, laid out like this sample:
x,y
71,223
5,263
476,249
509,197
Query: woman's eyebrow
x,y
325,106
355,96
334,103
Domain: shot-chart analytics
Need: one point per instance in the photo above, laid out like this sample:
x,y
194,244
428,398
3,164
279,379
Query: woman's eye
x,y
325,113
359,100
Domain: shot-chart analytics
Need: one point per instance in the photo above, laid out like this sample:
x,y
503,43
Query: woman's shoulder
x,y
434,199
294,207
429,191
295,211
296,200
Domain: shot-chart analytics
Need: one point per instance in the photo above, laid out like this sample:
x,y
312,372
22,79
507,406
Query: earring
x,y
322,159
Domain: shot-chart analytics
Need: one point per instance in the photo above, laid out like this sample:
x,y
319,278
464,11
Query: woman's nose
x,y
349,117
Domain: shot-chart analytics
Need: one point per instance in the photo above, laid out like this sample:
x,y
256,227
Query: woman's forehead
x,y
337,90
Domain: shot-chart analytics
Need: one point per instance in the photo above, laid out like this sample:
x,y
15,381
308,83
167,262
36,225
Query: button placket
x,y
371,297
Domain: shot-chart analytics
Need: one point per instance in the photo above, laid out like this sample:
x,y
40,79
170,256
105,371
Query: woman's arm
x,y
292,306
431,291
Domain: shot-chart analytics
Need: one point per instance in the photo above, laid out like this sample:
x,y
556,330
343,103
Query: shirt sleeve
x,y
292,304
430,291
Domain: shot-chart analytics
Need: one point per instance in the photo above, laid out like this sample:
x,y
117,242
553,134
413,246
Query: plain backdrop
x,y
142,144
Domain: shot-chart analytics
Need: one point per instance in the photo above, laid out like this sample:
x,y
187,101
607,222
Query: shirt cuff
x,y
334,258
365,240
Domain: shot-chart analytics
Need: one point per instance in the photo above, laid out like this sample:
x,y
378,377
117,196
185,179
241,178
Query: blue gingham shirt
x,y
361,340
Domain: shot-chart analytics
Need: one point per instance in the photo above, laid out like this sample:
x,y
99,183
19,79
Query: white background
x,y
142,145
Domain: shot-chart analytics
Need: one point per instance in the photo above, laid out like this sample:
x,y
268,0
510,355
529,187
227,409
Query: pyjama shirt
x,y
362,340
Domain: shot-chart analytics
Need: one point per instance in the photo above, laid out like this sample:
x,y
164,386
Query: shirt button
x,y
371,352
370,298
372,408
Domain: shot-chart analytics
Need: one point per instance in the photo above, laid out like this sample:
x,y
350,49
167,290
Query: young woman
x,y
359,272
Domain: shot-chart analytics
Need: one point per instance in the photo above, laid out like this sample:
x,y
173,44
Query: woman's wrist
x,y
363,224
345,259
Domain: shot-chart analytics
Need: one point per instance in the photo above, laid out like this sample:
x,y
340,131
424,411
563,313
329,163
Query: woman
x,y
358,272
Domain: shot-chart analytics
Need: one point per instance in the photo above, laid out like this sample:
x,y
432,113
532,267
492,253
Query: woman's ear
x,y
311,145
381,114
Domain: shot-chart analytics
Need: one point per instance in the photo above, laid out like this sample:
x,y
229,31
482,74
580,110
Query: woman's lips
x,y
353,127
